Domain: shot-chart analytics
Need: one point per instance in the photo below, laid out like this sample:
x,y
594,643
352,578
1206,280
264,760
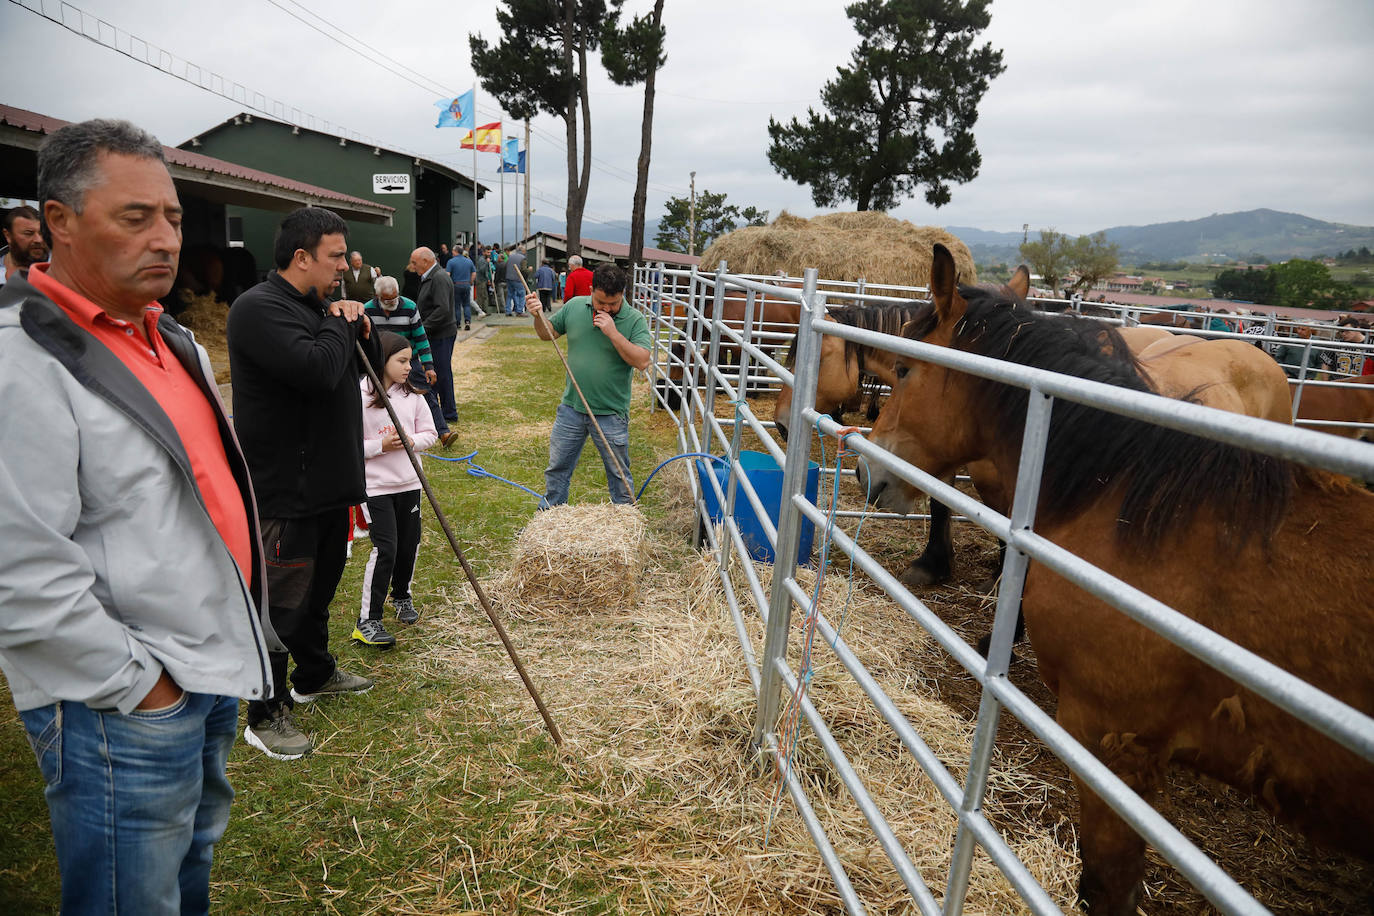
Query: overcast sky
x,y
1106,115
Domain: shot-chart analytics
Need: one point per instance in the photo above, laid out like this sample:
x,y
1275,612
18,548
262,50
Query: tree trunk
x,y
577,198
646,135
573,214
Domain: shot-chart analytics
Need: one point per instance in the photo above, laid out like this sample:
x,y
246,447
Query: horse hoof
x,y
920,577
985,644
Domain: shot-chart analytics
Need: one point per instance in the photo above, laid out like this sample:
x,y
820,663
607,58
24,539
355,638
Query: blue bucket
x,y
766,478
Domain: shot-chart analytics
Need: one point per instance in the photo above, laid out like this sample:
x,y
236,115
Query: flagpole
x,y
527,178
502,173
476,219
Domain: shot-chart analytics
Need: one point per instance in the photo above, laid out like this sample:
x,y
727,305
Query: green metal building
x,y
433,202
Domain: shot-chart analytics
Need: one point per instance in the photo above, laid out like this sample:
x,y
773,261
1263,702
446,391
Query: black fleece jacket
x,y
297,406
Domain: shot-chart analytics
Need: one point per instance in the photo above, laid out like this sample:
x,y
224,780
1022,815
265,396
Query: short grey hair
x,y
386,283
575,261
67,159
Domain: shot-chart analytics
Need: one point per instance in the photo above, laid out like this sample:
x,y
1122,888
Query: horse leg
x,y
933,566
1111,852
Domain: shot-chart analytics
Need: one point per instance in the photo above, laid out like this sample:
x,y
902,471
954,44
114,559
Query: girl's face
x,y
397,367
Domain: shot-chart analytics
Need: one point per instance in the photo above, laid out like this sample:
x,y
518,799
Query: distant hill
x,y
614,231
1221,236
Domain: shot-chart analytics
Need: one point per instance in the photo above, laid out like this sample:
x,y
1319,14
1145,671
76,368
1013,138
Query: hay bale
x,y
578,559
206,316
868,245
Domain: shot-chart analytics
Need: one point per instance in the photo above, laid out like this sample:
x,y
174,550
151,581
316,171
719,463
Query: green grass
x,y
422,795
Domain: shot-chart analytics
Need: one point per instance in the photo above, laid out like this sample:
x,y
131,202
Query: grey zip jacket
x,y
111,569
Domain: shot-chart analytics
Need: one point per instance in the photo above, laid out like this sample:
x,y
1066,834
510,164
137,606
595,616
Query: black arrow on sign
x,y
393,187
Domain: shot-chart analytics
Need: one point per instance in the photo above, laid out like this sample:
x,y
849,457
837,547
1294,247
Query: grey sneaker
x,y
371,633
339,682
278,737
405,610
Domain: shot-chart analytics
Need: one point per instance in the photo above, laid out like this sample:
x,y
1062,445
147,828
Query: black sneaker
x,y
278,737
405,611
339,682
371,633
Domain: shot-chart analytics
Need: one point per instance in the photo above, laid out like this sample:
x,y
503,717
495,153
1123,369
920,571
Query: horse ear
x,y
1020,282
944,277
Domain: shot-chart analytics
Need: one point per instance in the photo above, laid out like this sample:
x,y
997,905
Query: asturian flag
x,y
457,112
508,166
486,138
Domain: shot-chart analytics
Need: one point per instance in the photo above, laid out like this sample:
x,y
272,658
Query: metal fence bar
x,y
789,519
1037,433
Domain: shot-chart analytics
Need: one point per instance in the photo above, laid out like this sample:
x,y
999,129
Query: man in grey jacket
x,y
435,302
131,577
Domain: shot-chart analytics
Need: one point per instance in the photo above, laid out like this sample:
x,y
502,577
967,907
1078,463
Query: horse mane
x,y
883,317
1166,477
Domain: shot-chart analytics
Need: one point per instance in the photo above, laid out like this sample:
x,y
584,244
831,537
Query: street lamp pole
x,y
692,219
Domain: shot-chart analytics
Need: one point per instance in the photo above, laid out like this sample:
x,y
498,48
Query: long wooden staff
x,y
553,339
458,551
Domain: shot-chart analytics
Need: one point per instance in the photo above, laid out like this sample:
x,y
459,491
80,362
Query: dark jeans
x,y
394,527
440,397
462,305
305,559
546,300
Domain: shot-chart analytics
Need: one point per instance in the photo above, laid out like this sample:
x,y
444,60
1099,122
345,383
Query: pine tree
x,y
902,114
634,55
540,64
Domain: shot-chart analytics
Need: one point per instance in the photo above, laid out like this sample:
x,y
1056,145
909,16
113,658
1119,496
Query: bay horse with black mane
x,y
844,367
1271,555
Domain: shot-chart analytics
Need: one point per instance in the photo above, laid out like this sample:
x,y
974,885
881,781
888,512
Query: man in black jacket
x,y
298,414
435,302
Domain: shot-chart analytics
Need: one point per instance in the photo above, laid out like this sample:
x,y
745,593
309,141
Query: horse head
x,y
926,420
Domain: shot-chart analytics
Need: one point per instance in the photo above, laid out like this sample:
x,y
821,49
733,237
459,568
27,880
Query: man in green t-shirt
x,y
606,343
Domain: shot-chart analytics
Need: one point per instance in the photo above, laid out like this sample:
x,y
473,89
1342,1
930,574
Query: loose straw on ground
x,y
458,551
624,478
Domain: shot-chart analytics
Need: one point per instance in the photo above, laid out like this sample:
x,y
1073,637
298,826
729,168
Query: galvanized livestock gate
x,y
687,363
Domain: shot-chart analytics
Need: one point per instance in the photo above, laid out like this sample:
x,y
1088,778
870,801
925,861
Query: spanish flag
x,y
487,140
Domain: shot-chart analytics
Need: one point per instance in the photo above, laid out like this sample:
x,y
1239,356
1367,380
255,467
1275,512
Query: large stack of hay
x,y
871,246
578,559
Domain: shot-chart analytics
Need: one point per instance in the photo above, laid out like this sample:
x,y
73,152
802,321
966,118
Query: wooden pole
x,y
458,551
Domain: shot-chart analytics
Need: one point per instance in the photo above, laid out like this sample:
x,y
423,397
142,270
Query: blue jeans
x,y
570,431
137,802
462,305
515,298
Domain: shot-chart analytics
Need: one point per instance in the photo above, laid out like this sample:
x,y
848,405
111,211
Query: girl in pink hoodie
x,y
393,492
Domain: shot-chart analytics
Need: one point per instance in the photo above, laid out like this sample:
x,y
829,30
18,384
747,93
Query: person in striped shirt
x,y
390,311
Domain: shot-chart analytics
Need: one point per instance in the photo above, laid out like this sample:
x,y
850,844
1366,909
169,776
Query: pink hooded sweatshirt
x,y
390,472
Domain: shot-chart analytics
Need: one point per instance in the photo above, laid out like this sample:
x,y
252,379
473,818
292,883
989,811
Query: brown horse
x,y
1348,405
844,366
772,316
1270,555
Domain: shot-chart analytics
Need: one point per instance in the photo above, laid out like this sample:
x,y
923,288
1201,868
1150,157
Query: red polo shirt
x,y
177,393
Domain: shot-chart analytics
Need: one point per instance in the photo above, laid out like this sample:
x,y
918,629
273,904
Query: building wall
x,y
423,217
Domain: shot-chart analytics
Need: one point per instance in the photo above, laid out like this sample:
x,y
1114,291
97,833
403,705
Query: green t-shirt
x,y
604,376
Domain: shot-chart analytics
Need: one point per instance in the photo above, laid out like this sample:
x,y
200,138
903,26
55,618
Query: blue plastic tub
x,y
766,477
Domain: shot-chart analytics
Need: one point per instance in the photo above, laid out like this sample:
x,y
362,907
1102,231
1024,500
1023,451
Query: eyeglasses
x,y
392,301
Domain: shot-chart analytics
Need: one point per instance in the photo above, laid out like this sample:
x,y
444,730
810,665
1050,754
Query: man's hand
x,y
347,309
604,323
533,305
164,693
431,376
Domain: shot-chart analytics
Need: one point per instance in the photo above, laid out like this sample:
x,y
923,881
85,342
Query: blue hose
x,y
478,471
675,458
